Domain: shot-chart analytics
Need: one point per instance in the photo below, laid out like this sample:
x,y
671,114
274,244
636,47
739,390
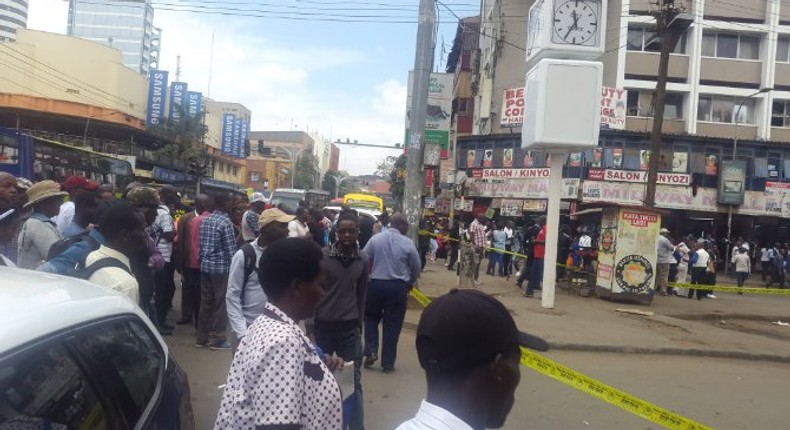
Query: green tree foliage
x,y
306,173
393,168
183,139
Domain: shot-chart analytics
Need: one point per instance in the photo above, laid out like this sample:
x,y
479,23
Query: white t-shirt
x,y
432,417
114,278
161,226
65,216
297,229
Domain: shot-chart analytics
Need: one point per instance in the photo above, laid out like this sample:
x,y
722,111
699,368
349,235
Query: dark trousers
x,y
741,276
535,275
766,266
344,338
386,300
164,291
213,321
525,272
699,275
190,294
453,255
145,283
506,260
479,254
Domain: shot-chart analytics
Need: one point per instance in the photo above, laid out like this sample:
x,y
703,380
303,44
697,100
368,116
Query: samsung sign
x,y
157,85
228,124
194,103
178,93
236,145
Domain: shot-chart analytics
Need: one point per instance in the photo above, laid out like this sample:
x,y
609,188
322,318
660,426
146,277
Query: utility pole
x,y
423,64
669,33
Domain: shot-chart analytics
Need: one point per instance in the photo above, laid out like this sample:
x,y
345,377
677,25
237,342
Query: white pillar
x,y
552,230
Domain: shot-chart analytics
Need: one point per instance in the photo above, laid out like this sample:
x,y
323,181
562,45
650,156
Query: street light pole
x,y
294,160
338,181
728,257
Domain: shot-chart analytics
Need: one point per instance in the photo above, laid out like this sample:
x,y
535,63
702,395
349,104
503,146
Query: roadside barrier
x,y
595,388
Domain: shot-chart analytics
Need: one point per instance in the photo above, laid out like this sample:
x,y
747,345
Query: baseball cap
x,y
663,231
274,214
79,182
143,196
257,197
466,328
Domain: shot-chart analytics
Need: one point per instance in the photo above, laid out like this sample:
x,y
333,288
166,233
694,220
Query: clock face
x,y
576,22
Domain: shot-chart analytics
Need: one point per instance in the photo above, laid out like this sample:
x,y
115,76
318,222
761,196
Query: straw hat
x,y
43,190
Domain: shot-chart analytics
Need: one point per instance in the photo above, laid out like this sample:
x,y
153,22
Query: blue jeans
x,y
535,275
495,258
386,300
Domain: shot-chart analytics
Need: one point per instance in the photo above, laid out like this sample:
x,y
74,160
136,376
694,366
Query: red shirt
x,y
539,251
193,228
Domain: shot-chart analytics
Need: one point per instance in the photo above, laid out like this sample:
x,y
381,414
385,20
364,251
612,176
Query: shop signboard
x,y
732,180
519,188
467,205
776,188
637,176
532,205
512,173
430,203
510,208
439,110
512,114
157,85
613,108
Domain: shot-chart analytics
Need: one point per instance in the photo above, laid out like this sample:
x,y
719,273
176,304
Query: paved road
x,y
724,394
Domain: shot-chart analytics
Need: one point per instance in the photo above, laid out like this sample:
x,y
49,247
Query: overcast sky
x,y
297,68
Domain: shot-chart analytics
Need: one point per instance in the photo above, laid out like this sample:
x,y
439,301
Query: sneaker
x,y
711,296
222,345
387,369
201,345
370,359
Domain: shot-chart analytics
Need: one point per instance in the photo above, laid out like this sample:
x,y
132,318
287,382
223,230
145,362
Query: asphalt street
x,y
721,393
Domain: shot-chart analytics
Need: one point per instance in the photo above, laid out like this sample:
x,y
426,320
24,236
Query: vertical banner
x,y
617,158
680,162
529,160
731,182
711,164
194,104
507,158
228,122
613,108
439,111
512,108
575,159
597,157
488,158
157,84
470,158
178,93
644,159
235,149
245,128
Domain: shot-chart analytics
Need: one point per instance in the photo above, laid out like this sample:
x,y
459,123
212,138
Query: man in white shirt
x,y
468,388
123,228
298,227
244,297
163,232
249,221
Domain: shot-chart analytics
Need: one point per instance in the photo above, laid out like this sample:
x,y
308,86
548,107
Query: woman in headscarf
x,y
279,379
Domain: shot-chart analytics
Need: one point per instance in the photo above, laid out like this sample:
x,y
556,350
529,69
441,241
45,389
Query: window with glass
x,y
640,104
730,45
644,38
783,49
723,109
780,114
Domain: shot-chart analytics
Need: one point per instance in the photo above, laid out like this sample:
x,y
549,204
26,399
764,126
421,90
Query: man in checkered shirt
x,y
477,234
217,246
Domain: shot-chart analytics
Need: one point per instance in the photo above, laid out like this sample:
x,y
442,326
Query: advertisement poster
x,y
680,162
711,164
732,180
533,205
507,158
644,159
613,108
777,188
529,160
510,208
512,107
470,158
617,158
228,122
488,158
157,86
194,104
635,258
440,107
432,154
597,157
520,188
575,159
245,128
235,149
178,94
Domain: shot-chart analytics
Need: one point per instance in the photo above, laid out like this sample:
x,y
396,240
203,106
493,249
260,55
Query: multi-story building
x,y
716,73
13,16
462,62
126,25
229,171
334,158
291,146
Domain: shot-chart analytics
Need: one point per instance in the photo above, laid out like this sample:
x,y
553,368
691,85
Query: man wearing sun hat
x,y
39,232
470,349
666,257
73,185
245,298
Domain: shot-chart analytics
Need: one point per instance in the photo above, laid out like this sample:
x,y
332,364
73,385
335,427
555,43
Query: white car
x,y
76,355
360,211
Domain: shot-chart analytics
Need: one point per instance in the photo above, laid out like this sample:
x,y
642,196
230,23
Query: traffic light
x,y
247,148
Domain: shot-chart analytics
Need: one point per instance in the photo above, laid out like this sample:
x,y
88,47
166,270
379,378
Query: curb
x,y
711,353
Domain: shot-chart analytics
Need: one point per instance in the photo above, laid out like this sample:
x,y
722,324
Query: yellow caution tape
x,y
595,388
731,289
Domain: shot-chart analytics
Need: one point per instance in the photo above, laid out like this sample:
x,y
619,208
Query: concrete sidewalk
x,y
730,326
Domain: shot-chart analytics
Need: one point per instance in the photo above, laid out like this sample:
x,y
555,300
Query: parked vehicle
x,y
364,201
78,356
292,197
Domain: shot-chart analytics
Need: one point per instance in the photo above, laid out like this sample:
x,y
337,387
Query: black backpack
x,y
250,266
94,267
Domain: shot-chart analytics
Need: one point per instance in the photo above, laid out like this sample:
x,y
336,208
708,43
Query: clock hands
x,y
575,25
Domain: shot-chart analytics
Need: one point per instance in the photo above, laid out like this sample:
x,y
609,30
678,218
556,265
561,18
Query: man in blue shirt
x,y
396,267
217,246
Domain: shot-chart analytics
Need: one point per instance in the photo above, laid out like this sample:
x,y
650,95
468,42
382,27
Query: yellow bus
x,y
364,201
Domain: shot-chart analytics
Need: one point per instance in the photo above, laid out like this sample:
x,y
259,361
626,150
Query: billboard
x,y
235,149
439,111
613,108
157,84
228,122
512,108
194,104
732,180
245,134
178,94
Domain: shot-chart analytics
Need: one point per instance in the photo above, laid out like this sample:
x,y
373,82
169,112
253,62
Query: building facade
x,y
462,62
126,25
223,167
289,146
13,16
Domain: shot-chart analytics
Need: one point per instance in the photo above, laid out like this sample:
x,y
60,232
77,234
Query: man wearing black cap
x,y
469,346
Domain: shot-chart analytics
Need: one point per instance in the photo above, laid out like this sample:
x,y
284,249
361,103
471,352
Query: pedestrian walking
x,y
39,232
278,378
743,266
395,269
665,258
477,235
468,387
538,254
217,246
188,258
701,263
765,262
163,232
682,277
245,299
298,227
496,253
340,315
528,247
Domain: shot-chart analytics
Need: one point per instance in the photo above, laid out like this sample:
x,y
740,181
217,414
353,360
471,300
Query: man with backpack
x,y
123,228
245,298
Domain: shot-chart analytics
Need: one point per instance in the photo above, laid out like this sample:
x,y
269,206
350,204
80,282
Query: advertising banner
x,y
680,162
575,159
597,157
711,164
613,108
228,122
470,158
235,146
507,158
488,158
519,188
644,159
637,176
194,104
512,114
467,206
245,128
178,94
510,207
732,180
617,158
777,188
157,85
529,160
440,108
532,205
